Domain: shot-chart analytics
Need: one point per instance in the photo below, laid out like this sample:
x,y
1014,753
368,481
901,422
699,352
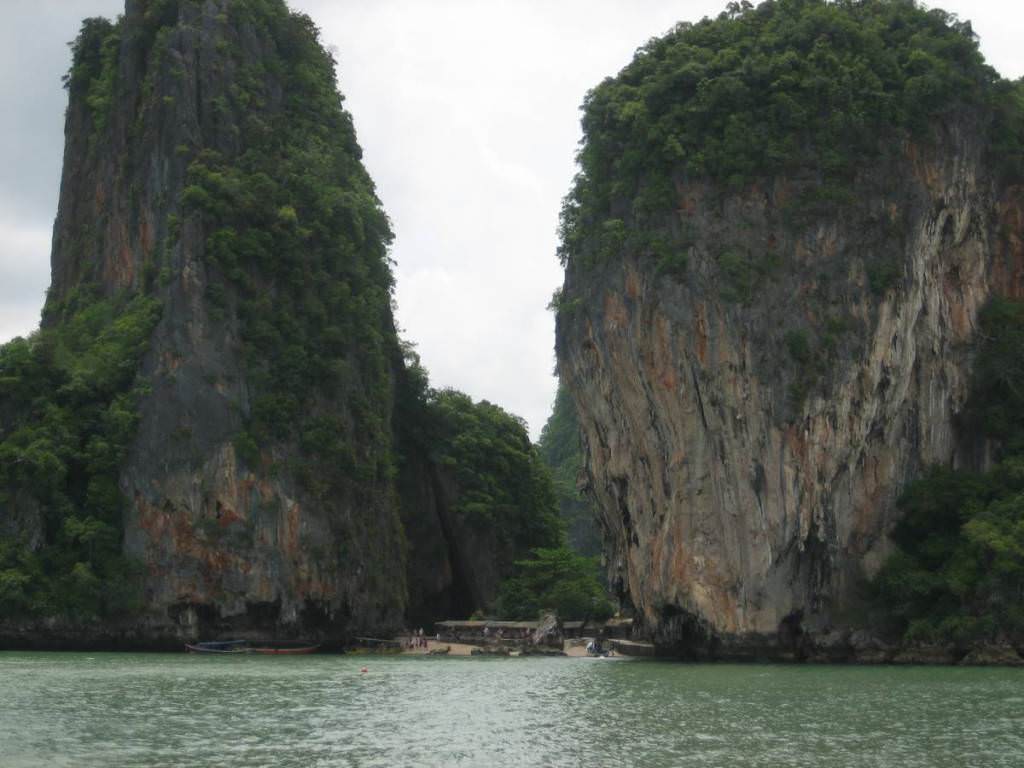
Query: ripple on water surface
x,y
176,710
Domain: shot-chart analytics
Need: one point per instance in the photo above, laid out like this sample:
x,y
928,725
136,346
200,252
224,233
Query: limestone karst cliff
x,y
786,224
215,429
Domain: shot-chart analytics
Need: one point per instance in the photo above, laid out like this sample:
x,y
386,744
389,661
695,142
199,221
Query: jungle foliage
x,y
68,411
809,89
503,486
297,246
554,579
958,572
501,478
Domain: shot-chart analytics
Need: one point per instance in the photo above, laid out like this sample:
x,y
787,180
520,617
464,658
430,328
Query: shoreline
x,y
463,650
85,639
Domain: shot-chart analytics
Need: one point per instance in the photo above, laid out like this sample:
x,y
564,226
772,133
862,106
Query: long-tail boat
x,y
242,646
270,651
218,646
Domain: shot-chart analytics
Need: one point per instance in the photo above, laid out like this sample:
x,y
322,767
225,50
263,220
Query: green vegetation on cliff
x,y
297,250
501,484
68,411
295,238
808,89
958,573
296,259
561,574
504,495
559,447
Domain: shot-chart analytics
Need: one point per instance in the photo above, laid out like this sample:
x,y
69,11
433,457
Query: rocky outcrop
x,y
748,425
993,656
246,448
315,528
227,544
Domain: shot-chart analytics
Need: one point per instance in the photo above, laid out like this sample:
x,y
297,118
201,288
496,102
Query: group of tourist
x,y
417,639
498,634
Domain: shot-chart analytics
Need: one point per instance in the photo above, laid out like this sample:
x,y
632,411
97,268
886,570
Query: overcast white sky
x,y
467,111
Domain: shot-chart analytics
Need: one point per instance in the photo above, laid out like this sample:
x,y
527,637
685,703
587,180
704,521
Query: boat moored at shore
x,y
243,647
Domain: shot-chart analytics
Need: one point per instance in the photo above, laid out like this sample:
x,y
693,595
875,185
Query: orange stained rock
x,y
292,526
700,325
616,316
632,284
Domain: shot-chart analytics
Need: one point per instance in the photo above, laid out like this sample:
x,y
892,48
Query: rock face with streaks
x,y
228,543
749,419
210,167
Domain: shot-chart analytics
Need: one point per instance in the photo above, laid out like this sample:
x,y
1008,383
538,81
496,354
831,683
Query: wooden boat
x,y
285,651
242,646
218,646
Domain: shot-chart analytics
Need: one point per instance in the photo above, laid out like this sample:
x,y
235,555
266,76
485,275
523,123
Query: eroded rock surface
x,y
746,441
318,530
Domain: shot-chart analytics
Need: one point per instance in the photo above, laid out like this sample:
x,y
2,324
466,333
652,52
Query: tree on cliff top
x,y
805,88
503,486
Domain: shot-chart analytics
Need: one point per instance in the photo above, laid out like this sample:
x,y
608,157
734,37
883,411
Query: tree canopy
x,y
806,88
554,579
68,411
502,483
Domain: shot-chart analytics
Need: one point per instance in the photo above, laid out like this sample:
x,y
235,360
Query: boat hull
x,y
234,650
217,651
285,651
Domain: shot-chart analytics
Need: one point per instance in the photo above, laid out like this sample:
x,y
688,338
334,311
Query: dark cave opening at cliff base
x,y
458,600
684,635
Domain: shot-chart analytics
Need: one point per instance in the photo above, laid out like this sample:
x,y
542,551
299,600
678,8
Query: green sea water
x,y
116,709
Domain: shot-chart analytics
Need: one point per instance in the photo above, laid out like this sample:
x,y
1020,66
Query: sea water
x,y
118,709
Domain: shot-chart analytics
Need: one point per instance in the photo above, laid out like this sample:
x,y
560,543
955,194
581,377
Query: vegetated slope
x,y
206,436
479,499
786,223
957,577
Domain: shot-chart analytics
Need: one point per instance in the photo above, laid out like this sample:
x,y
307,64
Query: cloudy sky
x,y
467,111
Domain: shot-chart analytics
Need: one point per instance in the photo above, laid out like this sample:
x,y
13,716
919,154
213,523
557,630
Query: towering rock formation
x,y
210,165
214,430
766,353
